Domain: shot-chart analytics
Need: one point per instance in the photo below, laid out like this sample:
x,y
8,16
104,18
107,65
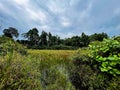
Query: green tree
x,y
32,36
84,40
98,36
55,40
75,41
67,41
11,32
49,39
43,38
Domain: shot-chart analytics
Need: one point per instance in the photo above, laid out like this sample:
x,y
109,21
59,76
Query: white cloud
x,y
22,2
69,34
56,7
117,11
36,15
65,22
45,27
74,2
29,12
8,11
65,35
59,15
2,7
86,12
118,27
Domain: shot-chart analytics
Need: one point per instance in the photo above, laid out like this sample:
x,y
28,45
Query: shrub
x,y
86,75
17,73
106,54
8,45
31,71
117,38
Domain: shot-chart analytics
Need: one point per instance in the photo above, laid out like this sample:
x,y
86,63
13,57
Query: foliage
x,y
48,41
43,38
34,40
17,73
32,36
98,36
37,70
86,76
10,32
84,41
8,45
117,38
106,54
62,47
114,83
77,41
54,70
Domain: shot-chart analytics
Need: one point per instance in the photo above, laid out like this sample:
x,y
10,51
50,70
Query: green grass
x,y
52,54
39,70
50,69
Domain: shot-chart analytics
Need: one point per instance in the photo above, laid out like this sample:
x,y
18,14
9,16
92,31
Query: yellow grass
x,y
54,54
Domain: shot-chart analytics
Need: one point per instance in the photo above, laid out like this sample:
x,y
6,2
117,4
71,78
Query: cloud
x,y
65,35
30,12
55,8
117,11
74,2
118,27
2,7
37,15
65,22
22,2
62,17
85,13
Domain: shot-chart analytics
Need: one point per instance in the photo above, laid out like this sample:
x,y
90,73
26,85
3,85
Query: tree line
x,y
45,40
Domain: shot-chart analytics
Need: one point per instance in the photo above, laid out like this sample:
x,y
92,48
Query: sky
x,y
64,18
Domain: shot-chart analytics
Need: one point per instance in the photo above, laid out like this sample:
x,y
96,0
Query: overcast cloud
x,y
64,18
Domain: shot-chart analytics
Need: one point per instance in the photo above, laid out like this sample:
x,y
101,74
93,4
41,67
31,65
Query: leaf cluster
x,y
106,54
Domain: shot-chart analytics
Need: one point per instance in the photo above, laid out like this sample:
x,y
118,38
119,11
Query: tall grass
x,y
38,70
54,68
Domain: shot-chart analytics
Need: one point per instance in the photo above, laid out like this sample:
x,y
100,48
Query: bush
x,y
31,71
8,45
106,54
86,75
57,47
17,73
117,38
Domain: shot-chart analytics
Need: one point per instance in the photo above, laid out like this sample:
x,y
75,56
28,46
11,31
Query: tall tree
x,y
49,39
11,32
98,36
75,41
84,40
44,38
32,36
